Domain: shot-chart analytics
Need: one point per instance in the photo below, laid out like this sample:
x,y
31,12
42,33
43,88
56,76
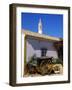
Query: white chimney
x,y
40,26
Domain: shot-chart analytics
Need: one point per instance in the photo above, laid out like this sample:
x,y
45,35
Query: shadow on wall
x,y
39,44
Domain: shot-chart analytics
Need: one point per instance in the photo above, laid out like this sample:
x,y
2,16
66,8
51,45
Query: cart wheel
x,y
44,68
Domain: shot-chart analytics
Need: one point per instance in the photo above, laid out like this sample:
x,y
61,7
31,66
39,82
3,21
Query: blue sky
x,y
52,24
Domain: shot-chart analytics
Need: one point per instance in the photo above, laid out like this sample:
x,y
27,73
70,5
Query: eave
x,y
40,36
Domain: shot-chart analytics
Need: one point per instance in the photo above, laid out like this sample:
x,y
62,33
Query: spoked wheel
x,y
43,67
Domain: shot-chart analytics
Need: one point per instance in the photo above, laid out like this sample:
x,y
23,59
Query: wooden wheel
x,y
43,67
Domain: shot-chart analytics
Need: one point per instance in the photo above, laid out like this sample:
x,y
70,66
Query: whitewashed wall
x,y
34,47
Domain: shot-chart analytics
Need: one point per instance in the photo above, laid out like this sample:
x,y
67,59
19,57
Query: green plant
x,y
57,61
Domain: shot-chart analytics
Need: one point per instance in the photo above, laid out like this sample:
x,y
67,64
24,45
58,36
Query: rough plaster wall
x,y
30,51
52,54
